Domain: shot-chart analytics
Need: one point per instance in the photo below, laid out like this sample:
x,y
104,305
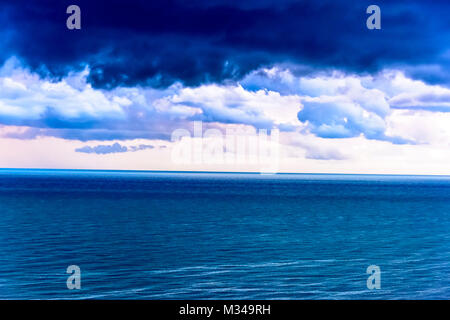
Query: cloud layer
x,y
327,104
158,43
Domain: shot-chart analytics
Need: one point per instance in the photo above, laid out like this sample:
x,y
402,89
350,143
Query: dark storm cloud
x,y
158,42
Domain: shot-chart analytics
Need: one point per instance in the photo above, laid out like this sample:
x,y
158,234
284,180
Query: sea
x,y
188,235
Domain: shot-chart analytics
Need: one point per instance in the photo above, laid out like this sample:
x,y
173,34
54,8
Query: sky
x,y
220,85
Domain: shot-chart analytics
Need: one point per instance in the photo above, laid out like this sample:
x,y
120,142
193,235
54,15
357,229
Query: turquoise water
x,y
157,235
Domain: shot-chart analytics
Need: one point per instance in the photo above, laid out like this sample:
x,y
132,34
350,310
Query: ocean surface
x,y
157,235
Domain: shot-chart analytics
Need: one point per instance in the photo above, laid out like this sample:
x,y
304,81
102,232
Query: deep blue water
x,y
149,235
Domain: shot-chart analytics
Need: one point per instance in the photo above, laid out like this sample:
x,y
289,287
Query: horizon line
x,y
228,172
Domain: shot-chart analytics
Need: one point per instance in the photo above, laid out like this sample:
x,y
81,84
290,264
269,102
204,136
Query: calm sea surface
x,y
149,235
